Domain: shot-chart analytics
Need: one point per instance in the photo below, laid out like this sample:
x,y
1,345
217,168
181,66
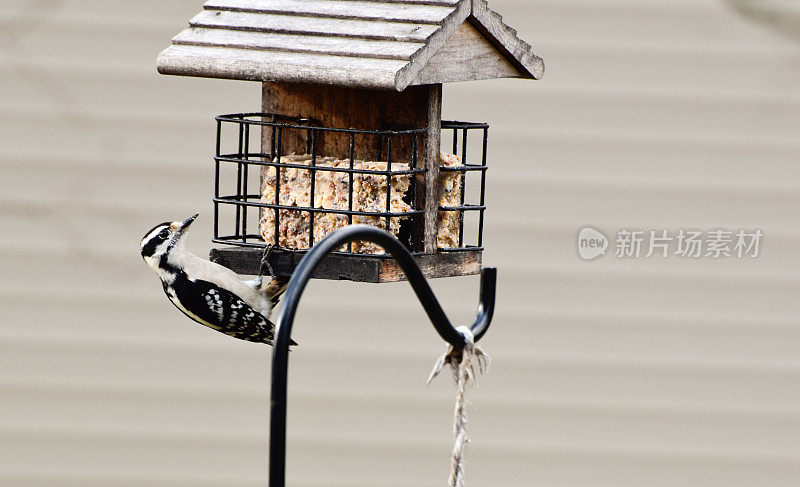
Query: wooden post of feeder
x,y
335,106
432,150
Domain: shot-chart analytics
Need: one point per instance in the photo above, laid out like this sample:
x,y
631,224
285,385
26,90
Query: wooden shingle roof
x,y
382,44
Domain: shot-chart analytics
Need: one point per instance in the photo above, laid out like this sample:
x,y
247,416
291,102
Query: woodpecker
x,y
209,293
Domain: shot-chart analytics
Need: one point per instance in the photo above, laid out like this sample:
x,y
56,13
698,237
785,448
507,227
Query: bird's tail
x,y
276,287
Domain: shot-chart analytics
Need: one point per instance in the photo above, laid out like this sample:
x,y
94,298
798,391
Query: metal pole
x,y
301,276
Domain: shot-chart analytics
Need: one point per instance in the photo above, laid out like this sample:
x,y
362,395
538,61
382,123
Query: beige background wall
x,y
652,115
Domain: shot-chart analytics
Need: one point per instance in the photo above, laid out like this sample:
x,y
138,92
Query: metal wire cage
x,y
251,153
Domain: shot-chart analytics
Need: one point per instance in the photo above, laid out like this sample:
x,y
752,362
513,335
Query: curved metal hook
x,y
301,276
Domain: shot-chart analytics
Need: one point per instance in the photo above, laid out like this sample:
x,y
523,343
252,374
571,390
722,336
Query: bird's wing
x,y
233,316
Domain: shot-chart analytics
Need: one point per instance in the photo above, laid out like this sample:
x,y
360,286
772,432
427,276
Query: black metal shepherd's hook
x,y
304,271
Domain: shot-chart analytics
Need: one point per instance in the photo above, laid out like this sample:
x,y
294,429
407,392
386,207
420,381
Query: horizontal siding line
x,y
102,294
654,273
92,207
599,186
620,136
137,433
524,359
678,6
617,95
526,404
121,251
643,273
500,223
179,163
350,443
155,25
116,69
64,385
126,478
123,163
601,321
168,120
627,137
54,476
556,47
168,25
625,276
383,398
640,318
595,184
781,186
136,71
202,126
598,183
667,95
646,272
631,94
676,46
141,344
110,298
568,50
644,319
165,167
22,210
711,50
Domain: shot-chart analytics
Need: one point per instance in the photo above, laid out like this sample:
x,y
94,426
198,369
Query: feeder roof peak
x,y
379,44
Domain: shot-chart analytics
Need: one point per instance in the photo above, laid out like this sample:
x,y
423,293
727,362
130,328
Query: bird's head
x,y
164,241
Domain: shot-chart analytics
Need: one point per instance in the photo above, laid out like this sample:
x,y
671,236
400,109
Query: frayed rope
x,y
463,363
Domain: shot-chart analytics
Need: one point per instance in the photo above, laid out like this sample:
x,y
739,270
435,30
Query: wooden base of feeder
x,y
358,268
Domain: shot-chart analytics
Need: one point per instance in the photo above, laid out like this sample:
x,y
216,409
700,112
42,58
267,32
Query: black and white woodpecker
x,y
209,293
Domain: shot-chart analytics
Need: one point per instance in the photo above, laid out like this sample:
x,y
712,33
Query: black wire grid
x,y
243,199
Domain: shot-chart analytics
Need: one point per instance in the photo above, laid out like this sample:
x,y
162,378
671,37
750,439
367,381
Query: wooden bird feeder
x,y
350,128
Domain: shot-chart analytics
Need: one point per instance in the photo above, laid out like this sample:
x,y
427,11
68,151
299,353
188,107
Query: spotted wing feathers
x,y
221,310
235,317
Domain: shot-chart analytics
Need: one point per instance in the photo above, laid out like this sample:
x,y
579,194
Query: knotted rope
x,y
463,363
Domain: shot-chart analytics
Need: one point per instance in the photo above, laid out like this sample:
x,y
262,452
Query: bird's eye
x,y
164,233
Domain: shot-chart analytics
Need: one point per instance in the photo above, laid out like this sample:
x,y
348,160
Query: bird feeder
x,y
350,128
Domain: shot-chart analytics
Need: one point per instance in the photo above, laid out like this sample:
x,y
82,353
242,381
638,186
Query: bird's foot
x,y
265,265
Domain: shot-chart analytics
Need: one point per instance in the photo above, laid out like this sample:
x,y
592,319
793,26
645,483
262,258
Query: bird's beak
x,y
181,227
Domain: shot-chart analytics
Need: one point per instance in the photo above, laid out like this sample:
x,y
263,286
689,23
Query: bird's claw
x,y
265,262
